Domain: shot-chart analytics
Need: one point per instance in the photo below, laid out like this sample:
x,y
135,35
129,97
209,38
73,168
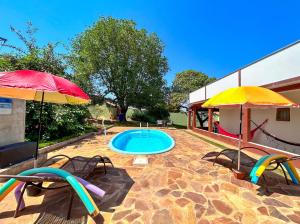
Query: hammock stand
x,y
222,131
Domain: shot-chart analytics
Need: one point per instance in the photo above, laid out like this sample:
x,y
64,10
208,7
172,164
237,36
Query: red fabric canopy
x,y
29,85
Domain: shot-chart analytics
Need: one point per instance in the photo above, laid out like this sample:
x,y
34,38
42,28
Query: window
x,y
283,114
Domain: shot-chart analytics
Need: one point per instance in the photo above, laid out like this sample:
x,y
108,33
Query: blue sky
x,y
215,37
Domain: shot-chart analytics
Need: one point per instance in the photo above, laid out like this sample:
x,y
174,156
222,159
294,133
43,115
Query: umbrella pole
x,y
39,131
240,138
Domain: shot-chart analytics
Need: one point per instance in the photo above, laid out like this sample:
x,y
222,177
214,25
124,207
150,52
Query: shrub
x,y
57,121
142,116
159,112
151,115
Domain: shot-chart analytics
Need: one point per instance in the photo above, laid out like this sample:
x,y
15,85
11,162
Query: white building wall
x,y
229,120
198,95
222,84
12,126
287,130
281,65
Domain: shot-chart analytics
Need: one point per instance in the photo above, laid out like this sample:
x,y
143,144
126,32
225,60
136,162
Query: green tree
x,y
184,83
58,120
121,61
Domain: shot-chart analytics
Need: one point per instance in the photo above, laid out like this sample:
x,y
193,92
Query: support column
x,y
194,117
210,120
246,125
189,119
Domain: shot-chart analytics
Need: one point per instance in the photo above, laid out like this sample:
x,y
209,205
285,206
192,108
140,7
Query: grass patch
x,y
208,141
43,144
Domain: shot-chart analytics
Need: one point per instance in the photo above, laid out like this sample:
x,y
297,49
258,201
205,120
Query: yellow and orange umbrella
x,y
248,97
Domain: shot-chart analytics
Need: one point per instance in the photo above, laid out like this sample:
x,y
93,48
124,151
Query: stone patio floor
x,y
176,187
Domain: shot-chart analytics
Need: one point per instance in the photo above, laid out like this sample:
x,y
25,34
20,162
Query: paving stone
x,y
190,214
229,187
145,183
203,221
213,173
238,216
162,217
263,210
171,181
174,175
169,164
182,202
120,222
249,217
197,198
121,214
182,184
132,217
162,192
274,202
155,205
137,222
178,215
128,202
250,197
197,186
216,187
174,187
199,210
224,220
222,207
294,218
166,202
277,214
242,183
176,193
210,209
202,171
141,205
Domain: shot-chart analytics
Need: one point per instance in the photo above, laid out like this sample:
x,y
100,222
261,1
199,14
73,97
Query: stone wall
x,y
12,126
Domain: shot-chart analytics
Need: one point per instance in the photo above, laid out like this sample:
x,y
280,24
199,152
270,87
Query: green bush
x,y
151,115
57,121
142,116
159,112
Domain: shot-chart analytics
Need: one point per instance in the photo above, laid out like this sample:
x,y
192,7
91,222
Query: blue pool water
x,y
142,141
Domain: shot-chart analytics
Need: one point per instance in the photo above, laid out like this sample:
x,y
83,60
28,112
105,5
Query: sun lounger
x,y
78,166
250,162
78,185
280,161
160,123
246,160
232,154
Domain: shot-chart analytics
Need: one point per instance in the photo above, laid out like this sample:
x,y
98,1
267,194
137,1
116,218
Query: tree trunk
x,y
201,121
123,110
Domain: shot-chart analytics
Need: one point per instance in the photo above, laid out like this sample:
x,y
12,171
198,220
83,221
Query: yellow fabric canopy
x,y
249,96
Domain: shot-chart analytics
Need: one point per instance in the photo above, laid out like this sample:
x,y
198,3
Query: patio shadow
x,y
116,183
272,182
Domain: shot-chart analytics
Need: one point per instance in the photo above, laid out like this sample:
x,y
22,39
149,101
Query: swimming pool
x,y
142,141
